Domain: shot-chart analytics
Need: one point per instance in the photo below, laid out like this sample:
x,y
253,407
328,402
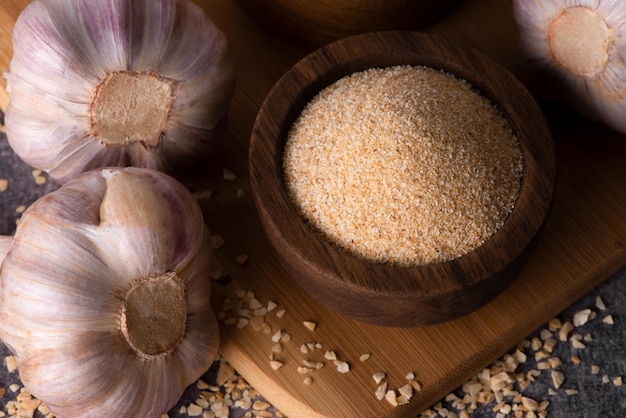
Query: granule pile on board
x,y
507,389
405,164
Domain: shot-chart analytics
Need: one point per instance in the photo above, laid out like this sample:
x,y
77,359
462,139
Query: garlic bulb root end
x,y
131,107
153,315
580,40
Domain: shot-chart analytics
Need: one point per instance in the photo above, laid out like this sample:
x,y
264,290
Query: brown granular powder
x,y
407,165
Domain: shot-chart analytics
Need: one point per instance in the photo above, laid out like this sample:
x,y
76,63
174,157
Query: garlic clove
x,y
105,23
77,284
116,83
574,53
164,246
40,46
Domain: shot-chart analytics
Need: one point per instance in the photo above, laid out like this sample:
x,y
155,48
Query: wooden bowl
x,y
388,294
321,21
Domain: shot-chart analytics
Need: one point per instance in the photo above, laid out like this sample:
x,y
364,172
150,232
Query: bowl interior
x,y
318,262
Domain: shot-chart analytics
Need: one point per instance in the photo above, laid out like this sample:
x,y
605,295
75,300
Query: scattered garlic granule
x,y
39,177
275,364
557,378
11,363
406,391
194,410
554,324
304,369
566,328
391,397
217,241
4,185
581,317
206,194
381,391
549,344
254,304
379,377
241,259
277,336
343,367
229,175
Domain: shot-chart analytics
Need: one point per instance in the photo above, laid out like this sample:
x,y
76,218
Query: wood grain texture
x,y
320,21
386,294
584,241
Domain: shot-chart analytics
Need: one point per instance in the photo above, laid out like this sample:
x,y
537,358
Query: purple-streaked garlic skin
x,y
76,253
64,49
588,73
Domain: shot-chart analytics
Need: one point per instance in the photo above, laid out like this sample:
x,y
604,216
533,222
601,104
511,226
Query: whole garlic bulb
x,y
575,50
116,83
105,295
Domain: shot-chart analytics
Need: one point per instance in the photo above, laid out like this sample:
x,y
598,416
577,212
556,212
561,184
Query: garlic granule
x,y
116,83
106,295
406,165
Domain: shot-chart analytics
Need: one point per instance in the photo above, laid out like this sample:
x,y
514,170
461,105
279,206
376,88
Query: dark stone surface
x,y
606,349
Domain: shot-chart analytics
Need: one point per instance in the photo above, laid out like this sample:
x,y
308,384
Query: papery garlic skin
x,y
586,72
65,283
64,51
5,244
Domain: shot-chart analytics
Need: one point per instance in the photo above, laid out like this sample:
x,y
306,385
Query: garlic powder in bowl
x,y
405,164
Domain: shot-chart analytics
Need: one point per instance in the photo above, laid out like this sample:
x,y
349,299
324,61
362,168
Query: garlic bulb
x,y
576,48
116,83
105,295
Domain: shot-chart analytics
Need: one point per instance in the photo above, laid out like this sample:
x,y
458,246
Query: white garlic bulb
x,y
116,83
106,295
575,51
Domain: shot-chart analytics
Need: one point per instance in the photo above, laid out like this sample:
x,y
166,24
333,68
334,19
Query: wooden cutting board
x,y
583,244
